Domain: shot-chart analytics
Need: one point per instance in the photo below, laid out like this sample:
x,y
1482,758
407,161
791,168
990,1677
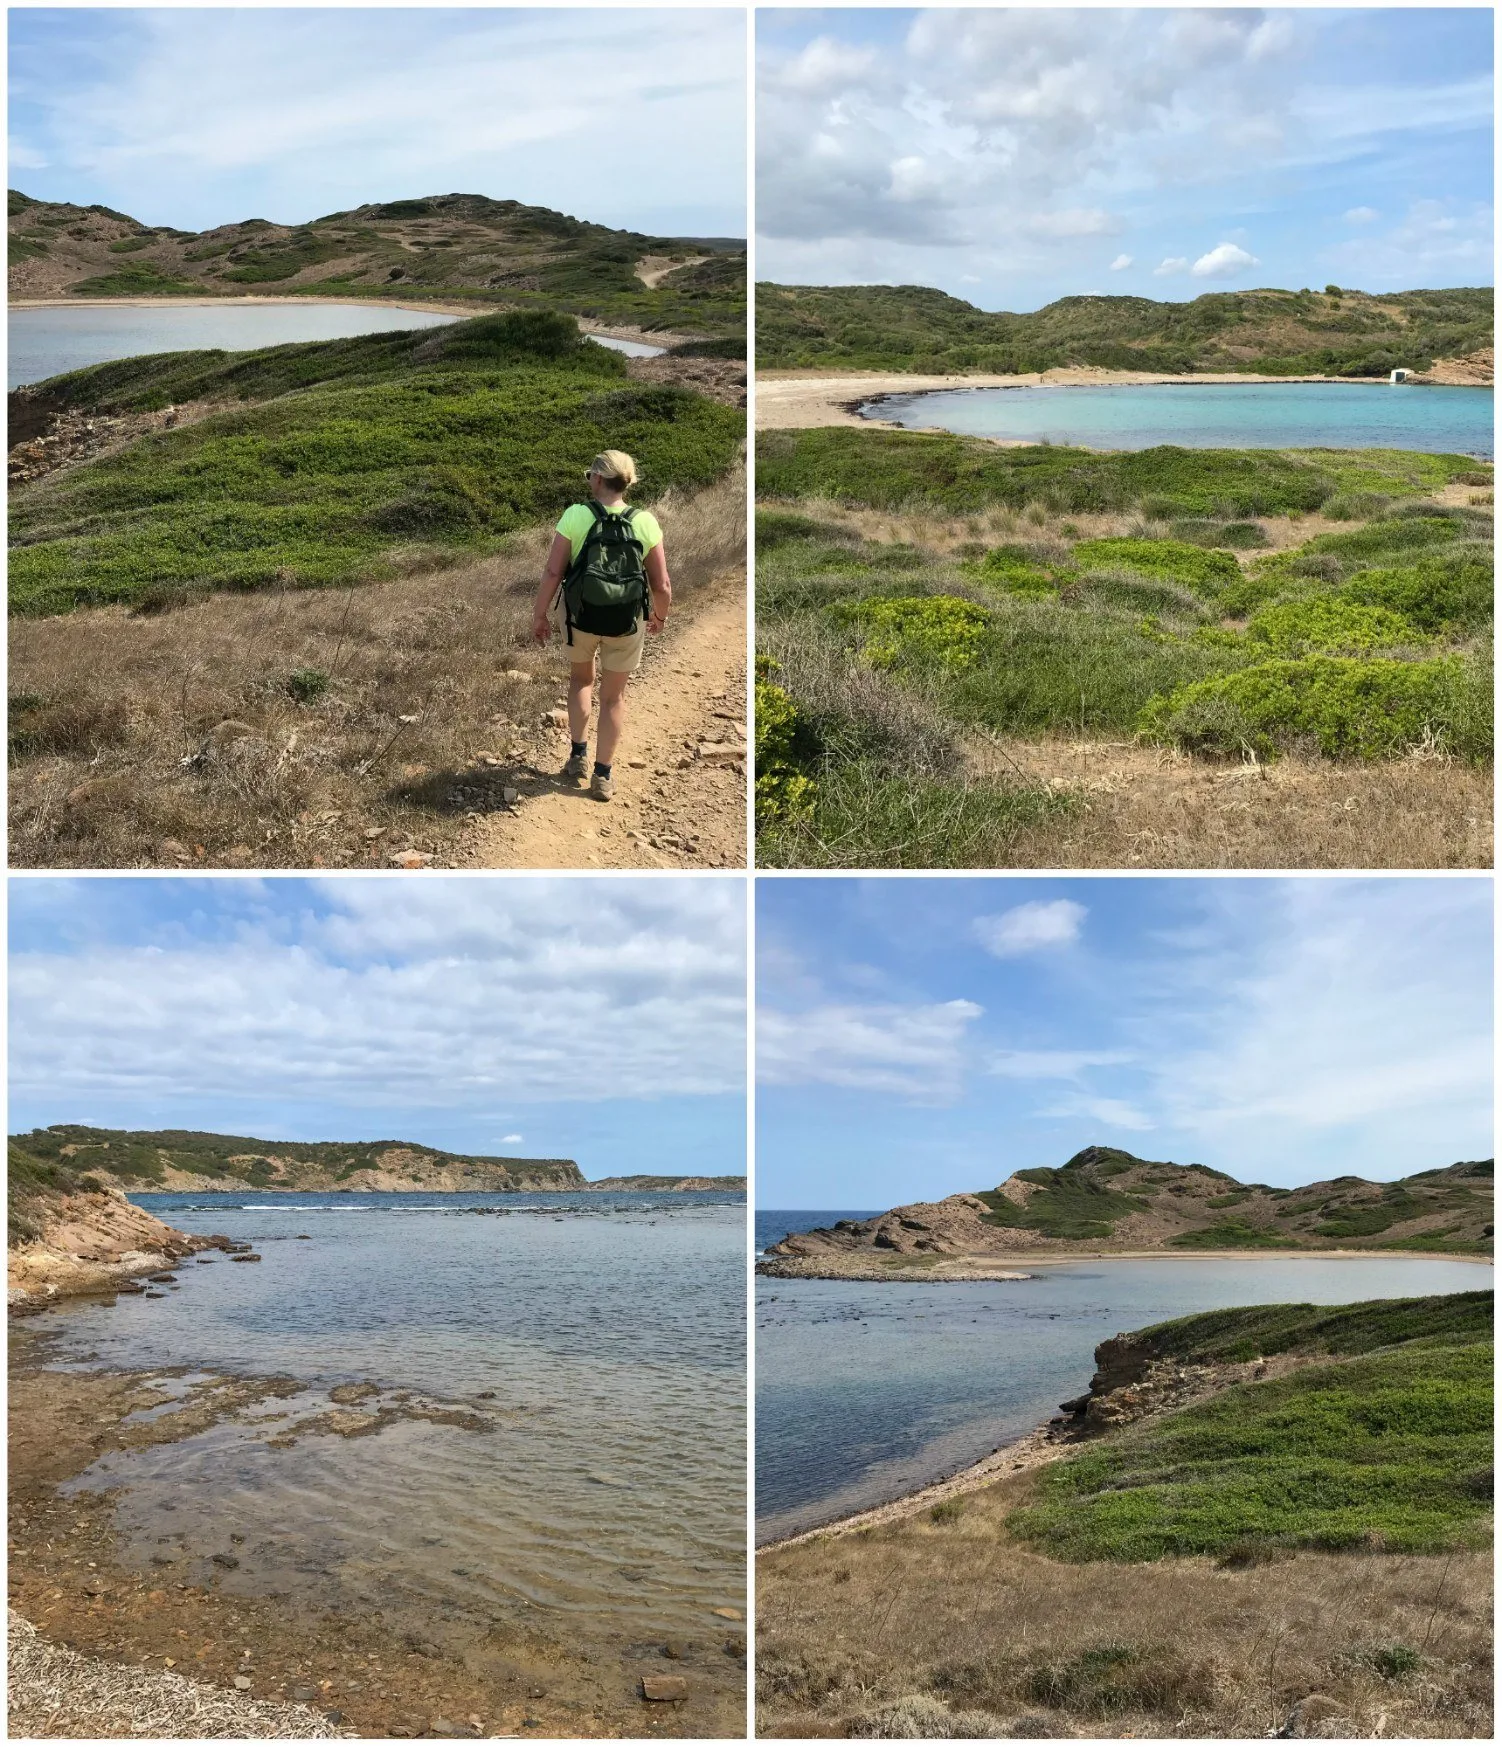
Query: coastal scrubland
x,y
68,1153
1104,1200
294,627
1332,331
1260,1522
457,248
978,655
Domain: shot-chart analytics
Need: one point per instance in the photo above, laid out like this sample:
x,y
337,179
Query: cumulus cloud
x,y
916,1052
1121,263
511,1140
393,994
1030,927
1224,261
1173,264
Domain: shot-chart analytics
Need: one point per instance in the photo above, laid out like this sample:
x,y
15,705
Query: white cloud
x,y
1052,1064
406,994
915,1052
1030,927
1224,261
1173,264
511,1139
1110,1113
1362,215
1121,263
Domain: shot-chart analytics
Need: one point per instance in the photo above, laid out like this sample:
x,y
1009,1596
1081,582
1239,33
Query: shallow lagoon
x,y
865,1392
1242,415
46,342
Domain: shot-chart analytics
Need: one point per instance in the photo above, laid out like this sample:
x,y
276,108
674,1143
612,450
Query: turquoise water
x,y
46,342
1205,415
867,1391
600,1339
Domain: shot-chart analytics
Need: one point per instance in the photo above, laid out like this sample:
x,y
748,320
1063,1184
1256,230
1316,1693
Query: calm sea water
x,y
46,342
608,1332
1243,415
866,1391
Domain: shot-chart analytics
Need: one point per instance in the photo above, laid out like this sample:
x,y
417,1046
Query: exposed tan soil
x,y
674,804
372,1676
653,269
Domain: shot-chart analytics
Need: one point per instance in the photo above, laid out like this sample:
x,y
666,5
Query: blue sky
x,y
1015,155
600,1020
916,1038
199,116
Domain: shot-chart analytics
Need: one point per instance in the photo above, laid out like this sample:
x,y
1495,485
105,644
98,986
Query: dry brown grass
x,y
1145,806
935,1629
176,739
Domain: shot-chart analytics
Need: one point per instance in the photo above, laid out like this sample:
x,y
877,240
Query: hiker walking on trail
x,y
608,566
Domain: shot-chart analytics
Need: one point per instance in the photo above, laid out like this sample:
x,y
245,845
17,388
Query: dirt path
x,y
676,805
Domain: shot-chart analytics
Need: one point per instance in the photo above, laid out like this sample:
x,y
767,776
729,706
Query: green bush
x,y
1195,567
1351,708
784,793
1329,625
1016,570
937,630
1442,591
307,684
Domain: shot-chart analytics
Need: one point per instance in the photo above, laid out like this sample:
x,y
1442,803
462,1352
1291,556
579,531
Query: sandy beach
x,y
802,399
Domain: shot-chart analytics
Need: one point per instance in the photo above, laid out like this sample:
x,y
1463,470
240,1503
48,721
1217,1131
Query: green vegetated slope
x,y
1196,1207
1386,1447
912,327
69,1154
346,460
1363,641
448,245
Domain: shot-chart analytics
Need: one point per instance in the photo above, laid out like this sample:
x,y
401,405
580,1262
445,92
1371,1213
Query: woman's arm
x,y
661,585
559,554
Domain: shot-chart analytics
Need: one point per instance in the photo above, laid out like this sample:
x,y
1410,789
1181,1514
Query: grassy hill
x,y
1386,1445
1292,333
1104,1198
453,246
345,460
69,1155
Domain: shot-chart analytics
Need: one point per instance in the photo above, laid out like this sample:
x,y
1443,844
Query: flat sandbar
x,y
966,1268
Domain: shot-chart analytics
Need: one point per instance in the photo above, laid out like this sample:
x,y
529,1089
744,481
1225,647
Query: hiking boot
x,y
601,788
577,767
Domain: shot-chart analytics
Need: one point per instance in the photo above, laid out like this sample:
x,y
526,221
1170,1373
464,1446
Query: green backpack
x,y
605,589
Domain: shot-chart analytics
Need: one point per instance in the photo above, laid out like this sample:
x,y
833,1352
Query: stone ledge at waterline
x,y
1107,1202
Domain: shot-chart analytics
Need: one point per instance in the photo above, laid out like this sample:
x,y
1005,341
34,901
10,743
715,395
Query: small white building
x,y
1399,376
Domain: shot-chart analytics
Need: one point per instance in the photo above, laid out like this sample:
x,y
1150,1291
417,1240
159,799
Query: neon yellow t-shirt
x,y
576,521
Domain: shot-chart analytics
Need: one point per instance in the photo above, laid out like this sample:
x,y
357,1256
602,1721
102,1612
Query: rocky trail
x,y
680,775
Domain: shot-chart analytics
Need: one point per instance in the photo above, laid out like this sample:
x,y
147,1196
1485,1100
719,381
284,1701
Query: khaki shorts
x,y
617,654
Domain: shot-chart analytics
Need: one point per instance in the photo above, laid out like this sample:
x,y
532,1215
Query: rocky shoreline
x,y
95,1243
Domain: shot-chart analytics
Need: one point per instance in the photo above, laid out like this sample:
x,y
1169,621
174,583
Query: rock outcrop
x,y
91,1242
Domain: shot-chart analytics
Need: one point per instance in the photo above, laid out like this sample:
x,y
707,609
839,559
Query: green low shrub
x,y
1349,707
1441,591
1329,625
938,630
1196,567
1016,570
784,793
